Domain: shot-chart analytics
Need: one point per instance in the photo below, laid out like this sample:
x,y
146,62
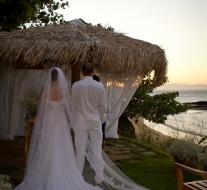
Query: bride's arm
x,y
70,114
70,107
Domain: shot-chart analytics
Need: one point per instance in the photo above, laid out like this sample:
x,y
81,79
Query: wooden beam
x,y
191,170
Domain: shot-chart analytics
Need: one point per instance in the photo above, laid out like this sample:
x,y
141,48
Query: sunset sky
x,y
178,26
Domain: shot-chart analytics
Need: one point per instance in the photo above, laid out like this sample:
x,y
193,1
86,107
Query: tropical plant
x,y
153,108
30,101
16,14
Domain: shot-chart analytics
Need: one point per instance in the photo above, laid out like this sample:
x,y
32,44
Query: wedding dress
x,y
51,161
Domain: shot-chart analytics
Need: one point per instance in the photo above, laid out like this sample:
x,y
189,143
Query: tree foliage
x,y
15,14
153,108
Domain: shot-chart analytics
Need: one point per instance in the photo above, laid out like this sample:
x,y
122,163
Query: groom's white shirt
x,y
90,100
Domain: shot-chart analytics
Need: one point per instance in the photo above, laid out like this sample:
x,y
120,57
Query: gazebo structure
x,y
120,61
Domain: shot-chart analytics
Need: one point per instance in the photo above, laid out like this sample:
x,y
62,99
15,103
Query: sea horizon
x,y
176,87
186,96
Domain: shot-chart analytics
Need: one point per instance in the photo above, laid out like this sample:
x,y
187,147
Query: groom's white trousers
x,y
84,130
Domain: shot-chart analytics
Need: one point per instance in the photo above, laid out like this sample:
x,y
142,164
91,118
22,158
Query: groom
x,y
90,99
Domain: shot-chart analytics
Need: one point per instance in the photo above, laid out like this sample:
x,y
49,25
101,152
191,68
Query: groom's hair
x,y
54,75
87,68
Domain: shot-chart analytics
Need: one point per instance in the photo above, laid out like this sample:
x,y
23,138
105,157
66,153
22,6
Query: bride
x,y
51,161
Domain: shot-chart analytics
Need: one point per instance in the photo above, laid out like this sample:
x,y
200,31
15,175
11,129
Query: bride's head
x,y
54,75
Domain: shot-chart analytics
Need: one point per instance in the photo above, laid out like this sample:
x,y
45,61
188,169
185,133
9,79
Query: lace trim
x,y
108,180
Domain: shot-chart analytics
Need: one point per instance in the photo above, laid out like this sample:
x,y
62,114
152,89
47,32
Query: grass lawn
x,y
154,171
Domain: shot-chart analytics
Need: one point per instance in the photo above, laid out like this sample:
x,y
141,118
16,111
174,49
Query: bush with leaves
x,y
30,101
184,149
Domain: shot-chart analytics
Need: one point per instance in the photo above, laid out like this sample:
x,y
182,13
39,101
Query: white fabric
x,y
90,99
120,87
51,161
13,85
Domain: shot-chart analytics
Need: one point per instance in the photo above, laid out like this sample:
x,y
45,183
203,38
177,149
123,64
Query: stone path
x,y
117,151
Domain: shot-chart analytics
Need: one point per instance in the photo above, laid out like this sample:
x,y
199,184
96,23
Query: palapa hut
x,y
26,55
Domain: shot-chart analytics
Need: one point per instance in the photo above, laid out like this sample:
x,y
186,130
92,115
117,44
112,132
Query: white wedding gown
x,y
61,171
57,169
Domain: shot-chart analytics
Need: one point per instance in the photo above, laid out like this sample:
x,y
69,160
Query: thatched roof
x,y
71,44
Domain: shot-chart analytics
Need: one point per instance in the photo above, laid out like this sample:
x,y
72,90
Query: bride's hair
x,y
54,75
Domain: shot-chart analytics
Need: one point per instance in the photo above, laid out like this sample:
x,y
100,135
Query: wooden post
x,y
179,175
28,124
26,138
75,72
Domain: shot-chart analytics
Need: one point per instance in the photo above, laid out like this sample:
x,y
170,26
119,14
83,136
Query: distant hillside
x,y
182,87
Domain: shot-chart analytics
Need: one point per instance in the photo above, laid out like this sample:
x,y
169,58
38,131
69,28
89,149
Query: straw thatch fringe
x,y
72,44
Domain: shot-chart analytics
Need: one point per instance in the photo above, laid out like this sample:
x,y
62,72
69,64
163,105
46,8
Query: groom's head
x,y
87,69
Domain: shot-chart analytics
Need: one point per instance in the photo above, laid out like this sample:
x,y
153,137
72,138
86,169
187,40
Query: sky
x,y
177,26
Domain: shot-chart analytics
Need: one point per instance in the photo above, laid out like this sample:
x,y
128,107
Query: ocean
x,y
193,122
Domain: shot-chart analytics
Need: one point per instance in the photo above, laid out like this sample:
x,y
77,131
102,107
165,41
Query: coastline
x,y
141,128
181,125
200,105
